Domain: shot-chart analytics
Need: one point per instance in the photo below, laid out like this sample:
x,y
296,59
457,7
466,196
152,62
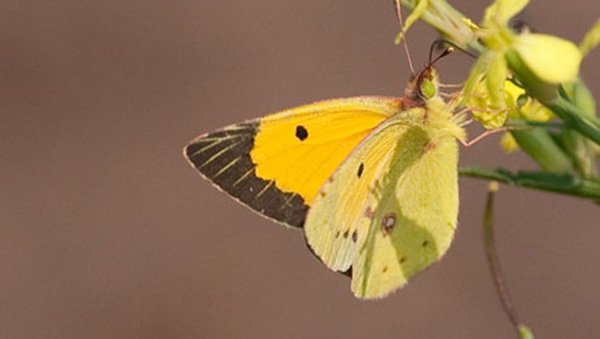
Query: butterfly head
x,y
421,88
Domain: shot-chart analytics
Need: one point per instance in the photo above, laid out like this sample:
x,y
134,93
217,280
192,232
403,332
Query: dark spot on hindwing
x,y
425,243
388,223
402,260
346,234
354,236
361,168
368,212
430,146
224,158
301,133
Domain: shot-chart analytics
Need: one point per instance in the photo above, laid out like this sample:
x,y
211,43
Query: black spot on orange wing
x,y
361,168
301,133
224,158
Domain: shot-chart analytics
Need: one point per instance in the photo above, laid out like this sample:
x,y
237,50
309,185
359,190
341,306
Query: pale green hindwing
x,y
390,209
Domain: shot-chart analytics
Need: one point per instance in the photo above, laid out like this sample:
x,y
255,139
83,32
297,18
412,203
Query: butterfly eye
x,y
428,89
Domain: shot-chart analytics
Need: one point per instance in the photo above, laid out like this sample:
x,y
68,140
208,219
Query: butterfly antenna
x,y
447,51
404,42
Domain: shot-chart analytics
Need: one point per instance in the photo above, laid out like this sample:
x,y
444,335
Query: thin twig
x,y
495,267
398,8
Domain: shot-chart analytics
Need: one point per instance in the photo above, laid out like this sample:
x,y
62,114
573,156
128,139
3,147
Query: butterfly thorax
x,y
440,120
436,114
435,119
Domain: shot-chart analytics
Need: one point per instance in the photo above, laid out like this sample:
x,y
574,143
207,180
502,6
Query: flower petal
x,y
551,59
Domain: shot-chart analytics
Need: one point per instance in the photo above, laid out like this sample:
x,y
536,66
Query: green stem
x,y
493,260
527,125
574,117
556,183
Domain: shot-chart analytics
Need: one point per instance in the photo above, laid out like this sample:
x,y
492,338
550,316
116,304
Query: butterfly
x,y
372,181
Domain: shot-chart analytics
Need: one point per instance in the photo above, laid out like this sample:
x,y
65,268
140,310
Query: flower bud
x,y
551,59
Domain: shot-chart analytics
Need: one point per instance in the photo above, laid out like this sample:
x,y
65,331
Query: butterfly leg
x,y
482,136
459,85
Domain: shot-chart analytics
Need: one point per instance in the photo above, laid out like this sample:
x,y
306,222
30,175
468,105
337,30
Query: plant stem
x,y
556,183
573,116
527,125
495,267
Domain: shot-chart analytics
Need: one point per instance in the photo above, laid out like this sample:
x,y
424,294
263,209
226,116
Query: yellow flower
x,y
540,62
484,90
523,107
551,59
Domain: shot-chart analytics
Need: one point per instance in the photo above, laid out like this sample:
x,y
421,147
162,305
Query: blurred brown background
x,y
106,232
